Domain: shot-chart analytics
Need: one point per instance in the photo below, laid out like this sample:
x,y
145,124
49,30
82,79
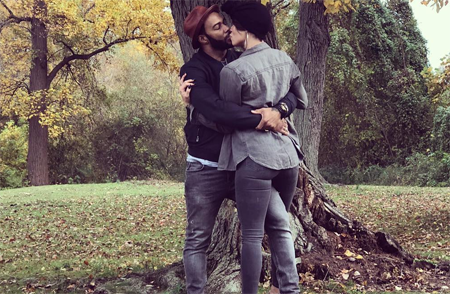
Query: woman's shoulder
x,y
280,53
239,66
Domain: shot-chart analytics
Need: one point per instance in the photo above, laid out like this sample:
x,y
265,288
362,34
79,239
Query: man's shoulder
x,y
194,65
193,62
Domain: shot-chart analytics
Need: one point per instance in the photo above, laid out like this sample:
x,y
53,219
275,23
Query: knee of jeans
x,y
252,236
278,222
197,239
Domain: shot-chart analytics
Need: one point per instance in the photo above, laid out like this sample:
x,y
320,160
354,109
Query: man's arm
x,y
297,88
207,101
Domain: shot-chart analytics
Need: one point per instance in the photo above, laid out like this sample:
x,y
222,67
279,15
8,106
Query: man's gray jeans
x,y
205,190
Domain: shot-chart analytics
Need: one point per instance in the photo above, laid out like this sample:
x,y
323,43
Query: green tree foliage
x,y
441,129
438,83
286,23
135,128
13,155
376,107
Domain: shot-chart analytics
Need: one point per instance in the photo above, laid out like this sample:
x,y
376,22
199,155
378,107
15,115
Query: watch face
x,y
284,107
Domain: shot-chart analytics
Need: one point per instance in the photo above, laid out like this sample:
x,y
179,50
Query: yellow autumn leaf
x,y
348,253
74,28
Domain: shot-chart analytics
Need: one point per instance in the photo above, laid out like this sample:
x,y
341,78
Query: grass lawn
x,y
68,232
419,218
79,231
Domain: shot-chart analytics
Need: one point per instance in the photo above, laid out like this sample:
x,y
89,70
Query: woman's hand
x,y
185,89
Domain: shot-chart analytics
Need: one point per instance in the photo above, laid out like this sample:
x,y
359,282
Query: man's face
x,y
217,32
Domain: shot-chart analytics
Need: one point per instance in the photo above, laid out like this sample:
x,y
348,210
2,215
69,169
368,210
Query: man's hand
x,y
271,120
185,89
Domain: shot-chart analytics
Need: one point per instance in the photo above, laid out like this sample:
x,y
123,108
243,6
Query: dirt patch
x,y
370,270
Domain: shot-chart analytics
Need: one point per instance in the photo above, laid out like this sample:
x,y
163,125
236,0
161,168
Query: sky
x,y
435,29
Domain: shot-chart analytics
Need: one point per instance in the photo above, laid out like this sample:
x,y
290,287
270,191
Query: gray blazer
x,y
260,78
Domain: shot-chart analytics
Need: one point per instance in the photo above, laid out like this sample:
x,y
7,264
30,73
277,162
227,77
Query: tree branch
x,y
11,91
126,30
104,36
72,57
278,9
6,7
278,3
89,9
68,47
12,18
134,30
157,55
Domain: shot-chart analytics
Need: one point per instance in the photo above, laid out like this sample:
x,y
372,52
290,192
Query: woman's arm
x,y
230,86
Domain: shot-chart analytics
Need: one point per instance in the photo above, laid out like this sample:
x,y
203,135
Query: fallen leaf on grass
x,y
348,253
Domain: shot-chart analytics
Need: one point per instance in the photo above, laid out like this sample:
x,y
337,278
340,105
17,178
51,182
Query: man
x,y
205,186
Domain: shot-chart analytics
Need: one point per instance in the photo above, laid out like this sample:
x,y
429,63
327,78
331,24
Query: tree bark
x,y
318,227
37,162
313,42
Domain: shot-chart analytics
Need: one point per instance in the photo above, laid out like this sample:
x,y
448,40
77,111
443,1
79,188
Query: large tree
x,y
45,45
320,231
376,107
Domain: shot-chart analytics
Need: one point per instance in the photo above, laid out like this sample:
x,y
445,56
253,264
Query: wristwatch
x,y
283,109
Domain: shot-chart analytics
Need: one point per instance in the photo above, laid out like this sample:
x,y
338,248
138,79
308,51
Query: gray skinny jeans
x,y
253,197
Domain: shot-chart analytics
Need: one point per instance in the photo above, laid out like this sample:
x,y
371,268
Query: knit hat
x,y
252,16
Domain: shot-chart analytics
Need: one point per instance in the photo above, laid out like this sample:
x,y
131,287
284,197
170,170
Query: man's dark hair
x,y
202,30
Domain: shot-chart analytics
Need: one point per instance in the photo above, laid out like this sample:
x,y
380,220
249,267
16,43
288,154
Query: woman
x,y
261,160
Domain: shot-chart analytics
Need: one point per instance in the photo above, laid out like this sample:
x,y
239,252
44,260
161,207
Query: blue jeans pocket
x,y
194,166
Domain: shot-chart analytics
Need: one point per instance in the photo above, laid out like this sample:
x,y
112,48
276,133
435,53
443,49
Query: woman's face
x,y
237,37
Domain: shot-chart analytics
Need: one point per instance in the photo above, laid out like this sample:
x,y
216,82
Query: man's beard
x,y
219,44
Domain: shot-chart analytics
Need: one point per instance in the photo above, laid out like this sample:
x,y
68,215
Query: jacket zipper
x,y
197,139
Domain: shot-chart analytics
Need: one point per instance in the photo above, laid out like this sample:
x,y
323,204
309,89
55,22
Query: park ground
x,y
72,238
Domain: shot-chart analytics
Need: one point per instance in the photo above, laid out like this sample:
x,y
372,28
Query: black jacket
x,y
204,142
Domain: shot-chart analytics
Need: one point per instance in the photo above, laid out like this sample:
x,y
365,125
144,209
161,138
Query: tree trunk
x,y
320,231
313,41
37,162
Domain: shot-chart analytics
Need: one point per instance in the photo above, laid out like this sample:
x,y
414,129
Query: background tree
x,y
46,45
134,129
313,42
376,104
